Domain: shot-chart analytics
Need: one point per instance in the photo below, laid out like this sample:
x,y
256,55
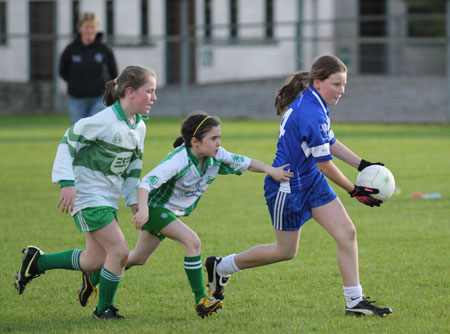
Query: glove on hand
x,y
362,194
364,163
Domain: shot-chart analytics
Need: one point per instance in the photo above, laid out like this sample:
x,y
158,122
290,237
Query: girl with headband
x,y
173,189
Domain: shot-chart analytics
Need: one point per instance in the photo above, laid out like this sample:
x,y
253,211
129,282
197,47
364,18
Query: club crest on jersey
x,y
324,130
117,139
237,158
77,58
98,57
153,180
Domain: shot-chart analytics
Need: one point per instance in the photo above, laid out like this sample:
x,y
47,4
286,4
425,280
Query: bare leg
x,y
94,256
112,240
145,247
334,218
284,248
182,234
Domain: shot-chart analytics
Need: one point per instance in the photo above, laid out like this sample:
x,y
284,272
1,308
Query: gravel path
x,y
370,99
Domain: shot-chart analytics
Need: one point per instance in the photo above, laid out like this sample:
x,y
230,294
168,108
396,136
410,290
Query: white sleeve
x,y
75,138
162,173
232,163
62,166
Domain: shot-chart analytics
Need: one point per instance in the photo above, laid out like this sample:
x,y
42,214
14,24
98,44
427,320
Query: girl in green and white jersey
x,y
98,160
174,187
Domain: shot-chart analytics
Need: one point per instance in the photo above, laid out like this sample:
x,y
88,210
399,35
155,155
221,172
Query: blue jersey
x,y
304,139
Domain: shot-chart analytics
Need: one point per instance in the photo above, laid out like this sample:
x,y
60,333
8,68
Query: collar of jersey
x,y
121,114
195,161
317,95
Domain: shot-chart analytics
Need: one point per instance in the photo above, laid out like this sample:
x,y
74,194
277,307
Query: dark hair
x,y
195,126
321,69
132,76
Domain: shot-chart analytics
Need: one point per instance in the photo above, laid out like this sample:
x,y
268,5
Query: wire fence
x,y
398,52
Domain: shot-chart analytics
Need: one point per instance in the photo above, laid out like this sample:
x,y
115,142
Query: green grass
x,y
403,245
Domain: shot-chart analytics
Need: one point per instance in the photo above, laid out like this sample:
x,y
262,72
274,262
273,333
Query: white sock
x,y
227,266
353,295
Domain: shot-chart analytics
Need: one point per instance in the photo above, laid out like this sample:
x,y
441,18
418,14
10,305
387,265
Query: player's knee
x,y
122,255
350,232
140,261
286,253
289,254
193,244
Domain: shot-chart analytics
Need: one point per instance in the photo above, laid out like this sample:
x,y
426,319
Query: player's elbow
x,y
324,166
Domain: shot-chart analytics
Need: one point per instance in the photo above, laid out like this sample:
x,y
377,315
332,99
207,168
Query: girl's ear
x,y
195,141
129,92
316,84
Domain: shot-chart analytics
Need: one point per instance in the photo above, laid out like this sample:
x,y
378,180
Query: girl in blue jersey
x,y
307,143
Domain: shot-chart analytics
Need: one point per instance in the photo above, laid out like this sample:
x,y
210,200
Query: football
x,y
379,177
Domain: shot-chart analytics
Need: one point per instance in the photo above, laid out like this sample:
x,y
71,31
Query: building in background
x,y
213,41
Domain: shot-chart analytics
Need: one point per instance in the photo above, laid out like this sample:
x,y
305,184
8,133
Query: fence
x,y
397,63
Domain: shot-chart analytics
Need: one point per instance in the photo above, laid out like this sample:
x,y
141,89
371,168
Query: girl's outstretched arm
x,y
278,173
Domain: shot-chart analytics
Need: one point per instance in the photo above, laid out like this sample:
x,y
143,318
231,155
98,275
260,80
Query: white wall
x,y
250,57
14,64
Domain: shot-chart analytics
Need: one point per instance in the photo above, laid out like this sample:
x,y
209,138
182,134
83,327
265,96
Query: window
x,y
75,16
372,56
208,20
3,37
110,20
144,21
269,19
427,19
233,19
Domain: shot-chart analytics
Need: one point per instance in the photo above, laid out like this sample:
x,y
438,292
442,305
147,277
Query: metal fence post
x,y
447,56
184,56
55,58
299,34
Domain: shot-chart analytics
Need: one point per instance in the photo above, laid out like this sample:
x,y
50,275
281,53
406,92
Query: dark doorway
x,y
174,43
42,29
372,56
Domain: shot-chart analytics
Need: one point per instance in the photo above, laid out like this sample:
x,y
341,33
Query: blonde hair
x,y
321,69
88,17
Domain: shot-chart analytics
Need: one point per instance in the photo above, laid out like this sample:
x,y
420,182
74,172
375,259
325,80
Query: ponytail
x,y
293,87
178,142
111,95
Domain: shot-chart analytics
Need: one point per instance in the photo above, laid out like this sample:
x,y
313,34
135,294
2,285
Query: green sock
x,y
109,283
69,259
193,268
95,276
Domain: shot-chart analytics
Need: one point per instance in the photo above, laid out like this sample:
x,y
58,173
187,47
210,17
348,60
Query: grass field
x,y
403,245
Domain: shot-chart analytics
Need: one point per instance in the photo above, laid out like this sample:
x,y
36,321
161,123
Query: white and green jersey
x,y
102,154
177,183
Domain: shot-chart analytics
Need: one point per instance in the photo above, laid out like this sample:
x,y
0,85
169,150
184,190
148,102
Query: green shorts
x,y
158,218
91,219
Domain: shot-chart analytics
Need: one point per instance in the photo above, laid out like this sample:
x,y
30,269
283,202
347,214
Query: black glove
x,y
364,163
362,194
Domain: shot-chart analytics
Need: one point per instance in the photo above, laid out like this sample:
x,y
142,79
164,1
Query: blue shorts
x,y
289,211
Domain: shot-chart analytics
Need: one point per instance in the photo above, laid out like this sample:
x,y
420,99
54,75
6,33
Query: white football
x,y
379,177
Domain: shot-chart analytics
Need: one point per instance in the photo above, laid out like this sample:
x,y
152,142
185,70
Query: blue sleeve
x,y
316,132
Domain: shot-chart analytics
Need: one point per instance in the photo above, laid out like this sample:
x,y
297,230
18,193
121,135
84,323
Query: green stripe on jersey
x,y
160,196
